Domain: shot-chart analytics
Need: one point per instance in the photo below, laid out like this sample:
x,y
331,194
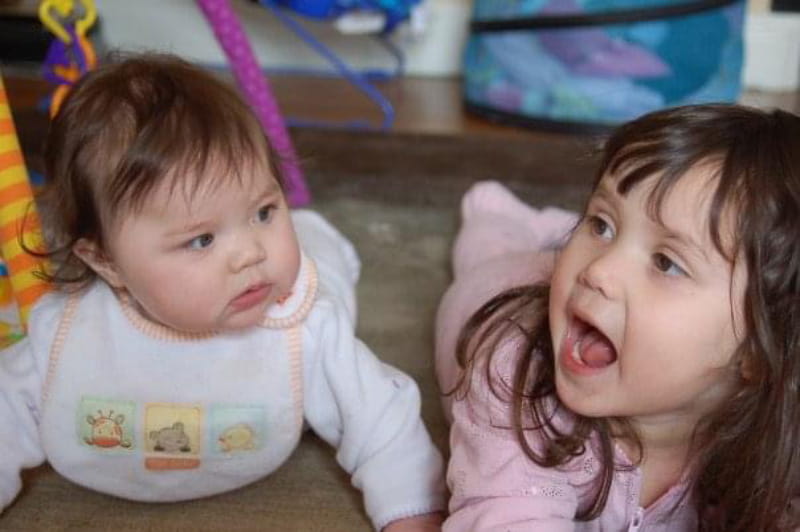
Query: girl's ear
x,y
746,368
94,257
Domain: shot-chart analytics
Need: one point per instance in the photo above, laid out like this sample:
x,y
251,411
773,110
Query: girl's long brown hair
x,y
746,455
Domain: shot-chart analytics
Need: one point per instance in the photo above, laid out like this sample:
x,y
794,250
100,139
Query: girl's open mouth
x,y
588,346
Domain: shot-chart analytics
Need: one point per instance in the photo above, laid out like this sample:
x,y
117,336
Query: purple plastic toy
x,y
231,36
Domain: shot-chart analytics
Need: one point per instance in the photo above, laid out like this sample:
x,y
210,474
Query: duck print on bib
x,y
236,429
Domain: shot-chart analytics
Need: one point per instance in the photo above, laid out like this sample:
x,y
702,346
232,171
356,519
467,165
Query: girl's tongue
x,y
593,347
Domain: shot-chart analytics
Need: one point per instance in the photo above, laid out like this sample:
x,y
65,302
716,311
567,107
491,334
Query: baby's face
x,y
211,260
645,314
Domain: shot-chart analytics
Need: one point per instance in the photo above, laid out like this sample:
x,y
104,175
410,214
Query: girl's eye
x,y
265,213
201,242
667,266
600,227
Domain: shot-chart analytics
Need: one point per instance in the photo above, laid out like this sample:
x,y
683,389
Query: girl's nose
x,y
603,273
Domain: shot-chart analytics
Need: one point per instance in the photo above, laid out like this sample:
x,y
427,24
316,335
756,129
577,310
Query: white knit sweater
x,y
128,407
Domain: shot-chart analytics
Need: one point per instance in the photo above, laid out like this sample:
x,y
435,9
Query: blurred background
x,y
416,65
395,108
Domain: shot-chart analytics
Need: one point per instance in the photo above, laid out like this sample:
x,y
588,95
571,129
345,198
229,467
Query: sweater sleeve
x,y
20,401
494,486
370,412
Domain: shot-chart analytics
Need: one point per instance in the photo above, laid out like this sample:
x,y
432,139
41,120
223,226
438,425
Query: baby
x,y
197,324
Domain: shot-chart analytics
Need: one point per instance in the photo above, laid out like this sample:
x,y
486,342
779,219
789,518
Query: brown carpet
x,y
396,197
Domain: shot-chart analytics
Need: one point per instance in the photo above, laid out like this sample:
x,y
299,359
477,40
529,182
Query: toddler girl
x,y
198,323
650,382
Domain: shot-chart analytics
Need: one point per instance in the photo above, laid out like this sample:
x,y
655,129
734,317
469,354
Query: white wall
x,y
772,53
178,26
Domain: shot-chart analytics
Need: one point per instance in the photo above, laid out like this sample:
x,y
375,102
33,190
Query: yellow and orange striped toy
x,y
20,289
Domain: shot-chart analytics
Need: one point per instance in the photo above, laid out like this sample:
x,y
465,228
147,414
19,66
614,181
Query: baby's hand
x,y
418,523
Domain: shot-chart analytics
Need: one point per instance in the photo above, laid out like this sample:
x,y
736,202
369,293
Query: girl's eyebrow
x,y
265,191
271,186
185,229
270,196
270,190
607,192
685,240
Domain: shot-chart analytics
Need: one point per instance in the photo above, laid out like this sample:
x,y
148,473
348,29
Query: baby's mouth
x,y
590,346
251,297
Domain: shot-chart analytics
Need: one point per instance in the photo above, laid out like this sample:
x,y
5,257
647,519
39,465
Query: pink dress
x,y
494,485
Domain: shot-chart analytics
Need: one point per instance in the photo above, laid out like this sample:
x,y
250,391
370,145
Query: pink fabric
x,y
502,243
494,486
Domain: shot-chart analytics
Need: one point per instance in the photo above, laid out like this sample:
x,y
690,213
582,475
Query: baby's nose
x,y
247,252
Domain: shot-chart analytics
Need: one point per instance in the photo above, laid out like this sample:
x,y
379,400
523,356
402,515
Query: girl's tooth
x,y
576,352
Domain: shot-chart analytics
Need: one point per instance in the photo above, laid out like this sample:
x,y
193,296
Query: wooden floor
x,y
425,105
420,105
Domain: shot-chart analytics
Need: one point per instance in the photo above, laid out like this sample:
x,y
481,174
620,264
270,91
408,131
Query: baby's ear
x,y
94,257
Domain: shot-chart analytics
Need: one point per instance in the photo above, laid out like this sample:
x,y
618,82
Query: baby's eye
x,y
265,213
666,265
600,227
201,242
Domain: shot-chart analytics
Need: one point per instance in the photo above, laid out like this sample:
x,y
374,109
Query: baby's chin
x,y
240,322
192,328
211,329
178,326
212,326
225,323
238,327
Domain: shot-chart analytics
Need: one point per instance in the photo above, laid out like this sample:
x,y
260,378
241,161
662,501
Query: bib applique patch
x,y
172,436
236,429
106,424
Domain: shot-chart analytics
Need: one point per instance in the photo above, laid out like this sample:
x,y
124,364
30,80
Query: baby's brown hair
x,y
128,126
